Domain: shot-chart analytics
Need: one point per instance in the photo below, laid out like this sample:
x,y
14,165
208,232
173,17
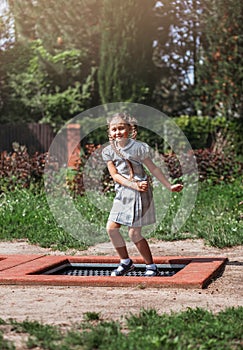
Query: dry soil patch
x,y
66,305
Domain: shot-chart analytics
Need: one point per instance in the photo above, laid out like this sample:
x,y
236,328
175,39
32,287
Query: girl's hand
x,y
176,188
142,186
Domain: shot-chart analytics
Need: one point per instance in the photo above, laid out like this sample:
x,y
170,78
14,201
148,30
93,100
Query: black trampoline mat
x,y
102,269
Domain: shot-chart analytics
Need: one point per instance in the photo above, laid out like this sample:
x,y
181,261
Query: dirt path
x,y
66,305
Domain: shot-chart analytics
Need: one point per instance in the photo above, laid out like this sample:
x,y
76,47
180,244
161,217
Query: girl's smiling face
x,y
119,131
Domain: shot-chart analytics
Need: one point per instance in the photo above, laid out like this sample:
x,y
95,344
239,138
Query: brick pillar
x,y
73,146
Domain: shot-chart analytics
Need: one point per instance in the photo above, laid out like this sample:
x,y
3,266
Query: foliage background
x,y
182,57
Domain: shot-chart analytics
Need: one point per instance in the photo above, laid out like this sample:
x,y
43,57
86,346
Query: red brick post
x,y
73,146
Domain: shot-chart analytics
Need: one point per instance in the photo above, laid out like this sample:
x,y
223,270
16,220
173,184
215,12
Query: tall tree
x,y
69,24
220,67
51,59
126,70
176,53
61,25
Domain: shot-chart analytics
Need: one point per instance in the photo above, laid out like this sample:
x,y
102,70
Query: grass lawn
x,y
216,217
190,329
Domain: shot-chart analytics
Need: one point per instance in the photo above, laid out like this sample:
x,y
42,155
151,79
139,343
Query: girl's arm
x,y
141,186
156,171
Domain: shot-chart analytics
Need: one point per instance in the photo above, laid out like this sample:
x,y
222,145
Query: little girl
x,y
133,205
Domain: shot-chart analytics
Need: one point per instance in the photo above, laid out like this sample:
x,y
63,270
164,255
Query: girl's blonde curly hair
x,y
128,119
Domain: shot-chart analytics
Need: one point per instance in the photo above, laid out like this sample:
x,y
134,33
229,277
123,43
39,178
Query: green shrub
x,y
18,169
213,167
217,167
203,131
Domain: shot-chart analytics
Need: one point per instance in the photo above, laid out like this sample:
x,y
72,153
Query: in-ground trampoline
x,y
175,271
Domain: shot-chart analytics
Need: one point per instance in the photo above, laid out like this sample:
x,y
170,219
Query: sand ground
x,y
66,305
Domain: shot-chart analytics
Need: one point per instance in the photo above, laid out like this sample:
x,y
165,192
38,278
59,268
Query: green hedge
x,y
203,131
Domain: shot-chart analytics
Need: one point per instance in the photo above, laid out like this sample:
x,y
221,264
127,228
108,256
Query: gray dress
x,y
131,207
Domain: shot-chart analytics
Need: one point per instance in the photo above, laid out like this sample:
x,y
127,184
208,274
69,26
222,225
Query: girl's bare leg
x,y
117,239
145,251
141,244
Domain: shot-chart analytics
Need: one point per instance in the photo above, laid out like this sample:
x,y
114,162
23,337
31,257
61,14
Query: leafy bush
x,y
50,87
217,167
202,131
213,167
19,169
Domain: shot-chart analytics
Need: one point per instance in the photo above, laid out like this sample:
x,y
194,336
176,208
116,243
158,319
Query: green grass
x,y
216,217
25,215
195,329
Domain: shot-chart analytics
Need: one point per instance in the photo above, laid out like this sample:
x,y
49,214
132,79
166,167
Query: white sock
x,y
125,261
151,266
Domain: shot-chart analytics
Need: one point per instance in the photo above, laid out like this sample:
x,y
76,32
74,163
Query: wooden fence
x,y
36,137
39,137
